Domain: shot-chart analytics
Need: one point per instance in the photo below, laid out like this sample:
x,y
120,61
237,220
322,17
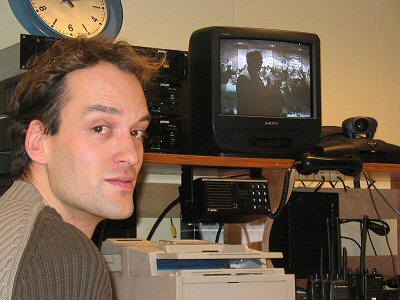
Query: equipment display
x,y
254,92
216,200
193,270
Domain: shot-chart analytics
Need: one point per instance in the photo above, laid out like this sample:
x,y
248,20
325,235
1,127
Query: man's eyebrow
x,y
102,109
111,110
146,117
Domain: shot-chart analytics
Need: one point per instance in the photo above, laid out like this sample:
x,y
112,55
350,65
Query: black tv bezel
x,y
222,124
234,33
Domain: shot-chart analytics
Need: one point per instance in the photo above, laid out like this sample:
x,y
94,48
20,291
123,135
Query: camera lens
x,y
361,125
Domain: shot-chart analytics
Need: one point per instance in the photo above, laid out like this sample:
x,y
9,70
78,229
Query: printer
x,y
193,270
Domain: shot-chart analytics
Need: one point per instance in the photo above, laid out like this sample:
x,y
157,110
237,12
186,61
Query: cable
x,y
221,225
236,175
371,183
345,187
161,217
381,228
303,185
362,255
356,183
286,182
353,240
319,186
246,233
372,244
173,229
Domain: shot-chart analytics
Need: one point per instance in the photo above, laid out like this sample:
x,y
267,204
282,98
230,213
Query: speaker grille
x,y
218,195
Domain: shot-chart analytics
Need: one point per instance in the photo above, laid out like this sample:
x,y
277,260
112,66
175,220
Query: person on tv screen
x,y
77,120
253,96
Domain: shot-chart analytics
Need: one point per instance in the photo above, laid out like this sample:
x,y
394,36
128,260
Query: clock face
x,y
73,18
69,18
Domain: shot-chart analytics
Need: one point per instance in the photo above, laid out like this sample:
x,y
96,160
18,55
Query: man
x,y
253,97
77,123
251,91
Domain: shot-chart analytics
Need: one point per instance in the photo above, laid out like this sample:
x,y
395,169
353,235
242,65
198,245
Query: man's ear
x,y
35,142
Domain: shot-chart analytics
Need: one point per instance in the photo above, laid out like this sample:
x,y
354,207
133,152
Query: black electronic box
x,y
166,95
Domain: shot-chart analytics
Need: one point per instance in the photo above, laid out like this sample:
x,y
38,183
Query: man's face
x,y
254,63
94,160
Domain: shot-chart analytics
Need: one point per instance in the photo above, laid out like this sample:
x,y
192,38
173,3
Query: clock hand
x,y
69,3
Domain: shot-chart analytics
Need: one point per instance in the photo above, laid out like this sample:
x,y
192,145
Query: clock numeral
x,y
70,28
94,19
42,8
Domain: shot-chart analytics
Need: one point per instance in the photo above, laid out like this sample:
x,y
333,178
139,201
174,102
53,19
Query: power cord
x,y
351,239
161,217
371,183
284,196
220,226
320,184
374,225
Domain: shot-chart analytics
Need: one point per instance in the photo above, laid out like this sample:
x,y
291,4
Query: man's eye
x,y
139,134
99,129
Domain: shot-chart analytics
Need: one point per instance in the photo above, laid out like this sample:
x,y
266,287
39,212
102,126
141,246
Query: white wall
x,y
360,43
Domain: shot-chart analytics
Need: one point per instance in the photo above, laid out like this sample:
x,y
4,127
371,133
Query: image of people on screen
x,y
253,95
262,81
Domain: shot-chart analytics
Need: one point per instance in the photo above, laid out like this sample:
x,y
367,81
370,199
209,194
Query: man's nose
x,y
129,150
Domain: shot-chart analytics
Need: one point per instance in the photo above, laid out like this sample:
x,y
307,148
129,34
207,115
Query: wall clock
x,y
69,18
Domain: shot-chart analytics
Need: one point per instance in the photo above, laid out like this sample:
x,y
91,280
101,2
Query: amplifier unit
x,y
163,135
166,95
164,99
217,200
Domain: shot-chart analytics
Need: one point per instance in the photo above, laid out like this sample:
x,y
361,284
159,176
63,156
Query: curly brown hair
x,y
41,93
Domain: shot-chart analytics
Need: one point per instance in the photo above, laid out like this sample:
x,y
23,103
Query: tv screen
x,y
274,75
253,92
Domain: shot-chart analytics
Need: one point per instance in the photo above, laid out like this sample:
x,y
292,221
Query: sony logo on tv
x,y
271,123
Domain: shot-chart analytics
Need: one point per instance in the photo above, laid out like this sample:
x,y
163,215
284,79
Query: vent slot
x,y
219,195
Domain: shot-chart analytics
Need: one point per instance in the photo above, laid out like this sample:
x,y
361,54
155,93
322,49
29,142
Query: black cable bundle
x,y
286,182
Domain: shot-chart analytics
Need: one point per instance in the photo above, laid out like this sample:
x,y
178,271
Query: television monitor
x,y
254,92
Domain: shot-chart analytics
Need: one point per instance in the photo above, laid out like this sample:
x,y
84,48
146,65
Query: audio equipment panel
x,y
166,95
163,135
220,200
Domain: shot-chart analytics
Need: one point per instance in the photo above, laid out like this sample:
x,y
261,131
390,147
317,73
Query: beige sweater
x,y
42,257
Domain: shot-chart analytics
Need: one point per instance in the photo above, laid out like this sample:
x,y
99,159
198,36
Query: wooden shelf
x,y
241,162
217,161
